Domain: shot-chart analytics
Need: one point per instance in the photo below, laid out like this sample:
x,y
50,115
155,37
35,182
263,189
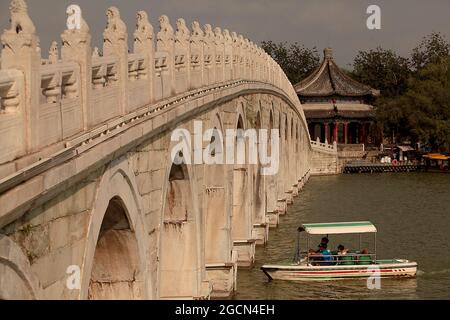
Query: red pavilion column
x,y
346,133
327,132
335,132
363,134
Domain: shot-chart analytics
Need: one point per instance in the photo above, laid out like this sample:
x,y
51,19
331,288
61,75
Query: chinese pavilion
x,y
337,107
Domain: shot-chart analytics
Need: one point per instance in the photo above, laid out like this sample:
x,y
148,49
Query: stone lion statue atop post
x,y
20,20
143,26
115,27
165,36
182,34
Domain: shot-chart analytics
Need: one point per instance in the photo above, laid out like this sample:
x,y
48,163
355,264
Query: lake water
x,y
412,215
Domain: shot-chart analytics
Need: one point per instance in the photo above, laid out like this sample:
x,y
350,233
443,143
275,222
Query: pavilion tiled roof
x,y
330,80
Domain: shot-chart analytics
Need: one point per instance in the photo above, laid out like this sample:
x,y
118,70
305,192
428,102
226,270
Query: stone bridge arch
x,y
115,263
18,282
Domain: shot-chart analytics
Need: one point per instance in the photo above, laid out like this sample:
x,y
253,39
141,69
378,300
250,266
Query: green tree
x,y
296,60
383,70
422,114
432,49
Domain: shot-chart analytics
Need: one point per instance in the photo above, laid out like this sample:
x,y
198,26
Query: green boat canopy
x,y
339,227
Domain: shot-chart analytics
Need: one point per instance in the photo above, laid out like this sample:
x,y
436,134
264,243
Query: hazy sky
x,y
340,24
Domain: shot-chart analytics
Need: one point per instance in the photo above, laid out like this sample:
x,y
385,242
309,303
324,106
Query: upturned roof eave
x,y
329,63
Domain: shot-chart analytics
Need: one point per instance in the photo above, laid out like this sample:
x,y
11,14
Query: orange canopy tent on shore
x,y
436,156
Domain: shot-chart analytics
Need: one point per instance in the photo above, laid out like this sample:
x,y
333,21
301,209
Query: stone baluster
x,y
182,61
76,47
99,76
164,59
142,70
115,43
196,51
52,89
143,44
112,74
228,55
133,70
70,86
220,54
10,99
21,51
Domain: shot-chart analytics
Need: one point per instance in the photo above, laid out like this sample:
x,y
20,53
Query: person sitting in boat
x,y
314,257
324,241
343,256
364,258
327,257
342,251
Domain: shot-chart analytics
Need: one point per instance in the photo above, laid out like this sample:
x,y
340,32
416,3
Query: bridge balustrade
x,y
86,87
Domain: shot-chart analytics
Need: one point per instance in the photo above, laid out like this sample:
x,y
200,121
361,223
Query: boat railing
x,y
346,259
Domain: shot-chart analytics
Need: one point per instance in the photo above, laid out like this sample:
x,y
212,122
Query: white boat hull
x,y
305,272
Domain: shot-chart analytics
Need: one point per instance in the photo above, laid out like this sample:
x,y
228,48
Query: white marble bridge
x,y
86,177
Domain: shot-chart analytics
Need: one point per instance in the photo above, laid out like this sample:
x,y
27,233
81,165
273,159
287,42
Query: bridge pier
x,y
223,277
282,206
245,252
261,233
273,219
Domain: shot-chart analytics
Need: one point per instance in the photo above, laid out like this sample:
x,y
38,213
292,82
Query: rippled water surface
x,y
411,212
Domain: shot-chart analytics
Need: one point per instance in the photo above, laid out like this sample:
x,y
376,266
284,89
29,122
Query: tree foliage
x,y
296,60
431,50
422,114
383,70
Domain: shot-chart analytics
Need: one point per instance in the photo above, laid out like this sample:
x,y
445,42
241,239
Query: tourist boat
x,y
354,265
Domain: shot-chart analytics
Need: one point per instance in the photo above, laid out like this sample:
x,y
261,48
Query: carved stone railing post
x,y
246,58
115,44
21,51
220,55
182,57
165,60
76,47
260,57
209,56
143,44
228,55
196,51
255,62
236,56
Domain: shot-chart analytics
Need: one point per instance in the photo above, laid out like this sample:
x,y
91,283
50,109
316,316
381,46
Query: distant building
x,y
337,107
